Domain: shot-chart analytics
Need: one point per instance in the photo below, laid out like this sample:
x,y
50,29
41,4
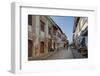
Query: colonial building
x,y
80,33
44,36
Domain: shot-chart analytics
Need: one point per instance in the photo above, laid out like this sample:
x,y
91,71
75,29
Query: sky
x,y
66,24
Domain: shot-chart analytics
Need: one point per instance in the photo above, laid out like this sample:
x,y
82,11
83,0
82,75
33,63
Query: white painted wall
x,y
5,37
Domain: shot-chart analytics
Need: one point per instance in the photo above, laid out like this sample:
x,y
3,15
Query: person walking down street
x,y
67,44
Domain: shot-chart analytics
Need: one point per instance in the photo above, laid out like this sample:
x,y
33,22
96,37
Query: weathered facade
x,y
80,33
44,36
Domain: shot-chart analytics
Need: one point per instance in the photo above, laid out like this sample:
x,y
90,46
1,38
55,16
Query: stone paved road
x,y
62,54
76,54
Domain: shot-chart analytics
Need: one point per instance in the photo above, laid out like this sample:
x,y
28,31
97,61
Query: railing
x,y
29,28
30,33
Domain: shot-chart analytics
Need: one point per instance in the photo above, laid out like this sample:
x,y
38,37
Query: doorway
x,y
42,47
30,44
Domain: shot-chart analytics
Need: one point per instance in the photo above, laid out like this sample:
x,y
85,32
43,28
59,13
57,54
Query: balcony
x,y
42,35
30,33
29,28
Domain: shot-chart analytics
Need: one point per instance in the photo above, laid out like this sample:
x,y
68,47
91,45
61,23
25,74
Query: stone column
x,y
52,45
46,37
36,40
33,33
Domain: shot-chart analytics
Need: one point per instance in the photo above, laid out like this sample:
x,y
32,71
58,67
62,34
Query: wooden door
x,y
41,47
30,44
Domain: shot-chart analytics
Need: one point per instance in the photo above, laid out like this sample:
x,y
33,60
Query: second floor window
x,y
59,35
42,24
50,31
30,20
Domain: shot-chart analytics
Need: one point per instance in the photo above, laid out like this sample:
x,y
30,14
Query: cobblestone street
x,y
76,54
66,54
62,54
